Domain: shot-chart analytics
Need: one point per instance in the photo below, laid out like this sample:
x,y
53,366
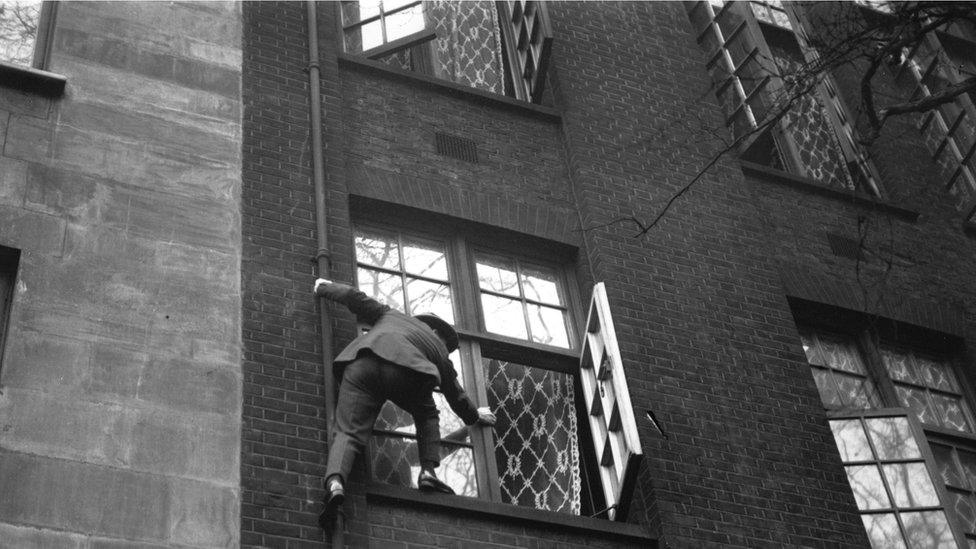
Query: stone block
x,y
46,363
190,385
200,446
203,515
26,537
82,497
32,232
62,193
23,102
51,424
13,180
115,370
28,138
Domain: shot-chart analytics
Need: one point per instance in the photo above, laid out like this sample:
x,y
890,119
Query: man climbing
x,y
401,359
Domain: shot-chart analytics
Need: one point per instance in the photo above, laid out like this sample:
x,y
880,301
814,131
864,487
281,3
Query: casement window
x,y
500,47
754,50
9,259
24,30
903,423
519,355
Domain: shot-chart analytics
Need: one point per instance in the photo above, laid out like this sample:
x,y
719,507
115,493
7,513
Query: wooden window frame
x,y
476,343
9,263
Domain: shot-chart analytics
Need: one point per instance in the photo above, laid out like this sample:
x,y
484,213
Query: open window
x,y
519,355
501,47
755,52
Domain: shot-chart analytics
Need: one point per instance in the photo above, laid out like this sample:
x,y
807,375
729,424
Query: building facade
x,y
782,358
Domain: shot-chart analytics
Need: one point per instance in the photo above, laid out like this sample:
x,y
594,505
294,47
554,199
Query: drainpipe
x,y
321,226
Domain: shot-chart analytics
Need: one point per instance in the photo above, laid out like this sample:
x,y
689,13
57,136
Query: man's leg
x,y
419,403
356,410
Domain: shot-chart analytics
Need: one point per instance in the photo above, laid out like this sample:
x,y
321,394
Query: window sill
x,y
449,88
32,80
764,173
502,512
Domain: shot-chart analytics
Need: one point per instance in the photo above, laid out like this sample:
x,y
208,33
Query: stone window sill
x,y
501,512
46,84
765,173
449,88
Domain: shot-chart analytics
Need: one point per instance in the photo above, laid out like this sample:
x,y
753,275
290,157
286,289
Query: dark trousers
x,y
367,383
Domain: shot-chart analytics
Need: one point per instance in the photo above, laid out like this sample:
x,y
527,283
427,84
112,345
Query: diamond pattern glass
x,y
898,366
395,461
536,435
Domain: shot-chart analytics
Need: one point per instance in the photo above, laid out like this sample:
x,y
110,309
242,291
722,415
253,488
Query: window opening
x,y
9,261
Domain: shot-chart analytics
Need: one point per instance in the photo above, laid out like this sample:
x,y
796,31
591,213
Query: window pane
x,y
883,531
429,297
392,418
917,401
928,530
503,316
968,462
357,11
395,461
950,412
548,326
371,35
851,440
828,389
892,438
404,23
946,466
536,445
18,31
962,506
841,355
898,366
868,488
424,259
910,485
855,392
452,427
377,250
936,375
541,285
384,287
812,350
498,275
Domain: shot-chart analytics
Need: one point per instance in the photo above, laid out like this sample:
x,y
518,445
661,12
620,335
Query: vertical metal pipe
x,y
321,227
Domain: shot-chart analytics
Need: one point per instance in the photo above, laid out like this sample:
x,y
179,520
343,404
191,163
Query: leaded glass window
x,y
886,468
956,465
532,457
928,387
839,372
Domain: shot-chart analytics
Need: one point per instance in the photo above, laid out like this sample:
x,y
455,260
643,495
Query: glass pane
x,y
950,412
384,287
377,250
811,349
541,285
883,531
841,355
892,438
855,392
404,23
946,466
548,326
928,530
357,11
898,366
393,418
424,259
962,506
917,401
852,443
828,389
503,316
395,461
19,22
452,427
371,35
430,297
498,275
536,445
936,375
968,462
868,488
910,485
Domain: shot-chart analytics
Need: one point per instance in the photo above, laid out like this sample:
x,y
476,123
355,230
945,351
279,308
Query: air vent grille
x,y
842,246
456,147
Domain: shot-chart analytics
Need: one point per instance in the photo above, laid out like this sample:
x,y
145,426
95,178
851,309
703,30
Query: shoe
x,y
428,482
333,501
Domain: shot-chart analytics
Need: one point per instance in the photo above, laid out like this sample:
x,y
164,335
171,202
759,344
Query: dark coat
x,y
401,340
